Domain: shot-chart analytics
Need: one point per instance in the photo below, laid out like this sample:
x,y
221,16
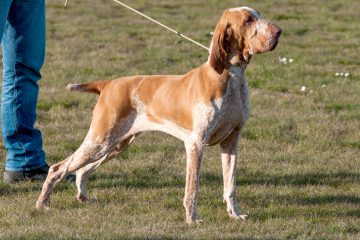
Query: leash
x,y
157,22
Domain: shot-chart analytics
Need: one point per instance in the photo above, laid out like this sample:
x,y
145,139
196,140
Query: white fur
x,y
252,11
262,27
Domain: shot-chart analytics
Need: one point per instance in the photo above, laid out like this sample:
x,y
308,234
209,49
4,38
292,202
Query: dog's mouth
x,y
274,44
270,42
275,40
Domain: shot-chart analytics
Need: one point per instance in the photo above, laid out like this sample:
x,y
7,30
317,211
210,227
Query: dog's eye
x,y
249,20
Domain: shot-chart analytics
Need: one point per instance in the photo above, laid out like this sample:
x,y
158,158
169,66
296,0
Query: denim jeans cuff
x,y
32,163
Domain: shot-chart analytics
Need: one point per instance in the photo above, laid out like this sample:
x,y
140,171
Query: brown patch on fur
x,y
114,104
172,98
220,46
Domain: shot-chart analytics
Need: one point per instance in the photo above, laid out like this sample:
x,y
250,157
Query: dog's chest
x,y
231,110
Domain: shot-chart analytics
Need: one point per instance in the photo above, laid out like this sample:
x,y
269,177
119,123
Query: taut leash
x,y
163,25
157,22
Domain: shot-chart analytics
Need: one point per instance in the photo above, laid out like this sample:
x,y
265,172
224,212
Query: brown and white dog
x,y
208,105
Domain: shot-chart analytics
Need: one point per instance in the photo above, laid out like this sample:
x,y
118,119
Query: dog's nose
x,y
277,32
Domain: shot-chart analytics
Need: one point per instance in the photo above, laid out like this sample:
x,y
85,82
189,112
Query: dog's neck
x,y
220,60
239,58
235,59
236,66
236,73
236,70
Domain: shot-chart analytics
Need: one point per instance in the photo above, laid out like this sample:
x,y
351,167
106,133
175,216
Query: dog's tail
x,y
91,87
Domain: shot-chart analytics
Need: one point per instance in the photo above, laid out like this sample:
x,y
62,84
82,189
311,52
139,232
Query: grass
x,y
299,157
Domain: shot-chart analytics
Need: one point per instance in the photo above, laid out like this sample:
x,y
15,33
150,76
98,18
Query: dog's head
x,y
239,34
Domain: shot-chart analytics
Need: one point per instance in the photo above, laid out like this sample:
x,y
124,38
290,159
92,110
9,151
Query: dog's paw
x,y
197,221
85,199
236,215
82,198
242,217
42,205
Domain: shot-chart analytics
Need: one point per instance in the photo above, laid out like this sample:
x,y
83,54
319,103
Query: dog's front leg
x,y
228,158
194,154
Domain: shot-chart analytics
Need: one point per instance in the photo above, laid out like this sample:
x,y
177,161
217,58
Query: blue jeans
x,y
22,30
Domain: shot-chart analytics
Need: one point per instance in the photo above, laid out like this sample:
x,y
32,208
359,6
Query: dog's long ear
x,y
220,46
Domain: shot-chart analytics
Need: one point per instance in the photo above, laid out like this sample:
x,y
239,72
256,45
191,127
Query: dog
x,y
208,105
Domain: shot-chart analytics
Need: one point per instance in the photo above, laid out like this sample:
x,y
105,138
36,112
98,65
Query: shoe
x,y
38,174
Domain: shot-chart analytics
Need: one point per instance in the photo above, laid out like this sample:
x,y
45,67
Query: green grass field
x,y
299,155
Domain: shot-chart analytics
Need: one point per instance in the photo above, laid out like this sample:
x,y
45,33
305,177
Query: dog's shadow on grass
x,y
304,179
150,179
29,187
119,236
146,179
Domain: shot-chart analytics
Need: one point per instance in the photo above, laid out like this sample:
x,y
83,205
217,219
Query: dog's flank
x,y
208,105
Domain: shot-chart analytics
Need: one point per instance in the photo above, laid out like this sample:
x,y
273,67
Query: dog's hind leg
x,y
83,173
90,151
82,176
228,158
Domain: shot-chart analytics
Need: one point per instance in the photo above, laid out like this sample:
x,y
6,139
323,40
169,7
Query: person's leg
x,y
23,48
4,10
